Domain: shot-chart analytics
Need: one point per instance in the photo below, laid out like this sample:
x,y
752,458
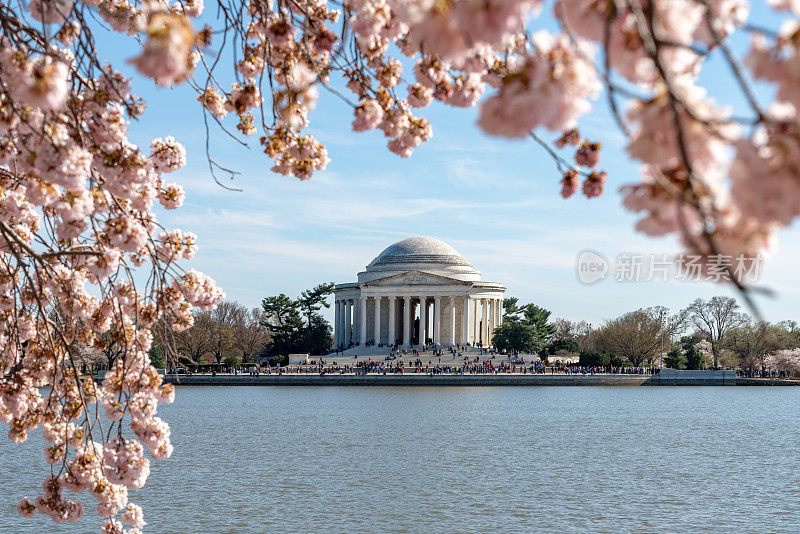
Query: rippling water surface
x,y
260,459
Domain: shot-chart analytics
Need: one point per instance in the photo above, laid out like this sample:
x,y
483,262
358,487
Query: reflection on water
x,y
260,459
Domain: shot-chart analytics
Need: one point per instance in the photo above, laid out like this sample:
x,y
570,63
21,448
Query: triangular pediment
x,y
415,278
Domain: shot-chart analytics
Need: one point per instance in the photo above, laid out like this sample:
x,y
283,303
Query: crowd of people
x,y
395,364
762,373
464,365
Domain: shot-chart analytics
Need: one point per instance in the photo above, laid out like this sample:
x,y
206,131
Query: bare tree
x,y
749,343
108,345
714,318
90,357
637,336
226,320
566,329
196,342
251,335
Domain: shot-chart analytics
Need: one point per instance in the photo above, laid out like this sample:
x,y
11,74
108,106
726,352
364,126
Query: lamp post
x,y
661,356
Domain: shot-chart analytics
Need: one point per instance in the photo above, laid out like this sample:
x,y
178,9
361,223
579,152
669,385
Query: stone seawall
x,y
410,380
766,382
673,378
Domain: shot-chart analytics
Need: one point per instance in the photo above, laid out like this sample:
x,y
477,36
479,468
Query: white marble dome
x,y
419,250
420,254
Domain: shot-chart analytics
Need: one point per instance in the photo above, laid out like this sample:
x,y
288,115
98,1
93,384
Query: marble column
x,y
492,315
451,339
484,325
437,320
354,327
407,321
392,321
500,322
377,325
342,323
493,321
423,319
465,318
348,322
476,333
335,323
337,327
362,320
342,305
490,320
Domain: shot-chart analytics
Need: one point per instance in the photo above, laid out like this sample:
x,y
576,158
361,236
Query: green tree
x,y
675,359
538,317
687,342
313,300
694,358
517,336
529,315
594,358
510,308
318,339
232,361
157,357
786,335
282,318
295,326
569,345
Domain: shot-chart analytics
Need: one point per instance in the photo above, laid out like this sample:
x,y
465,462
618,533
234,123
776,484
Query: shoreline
x,y
709,378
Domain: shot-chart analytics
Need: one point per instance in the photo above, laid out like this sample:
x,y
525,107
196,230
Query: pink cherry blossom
x,y
167,154
369,115
588,154
569,183
594,183
551,88
165,54
50,11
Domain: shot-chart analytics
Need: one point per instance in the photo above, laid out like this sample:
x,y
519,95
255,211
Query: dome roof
x,y
419,250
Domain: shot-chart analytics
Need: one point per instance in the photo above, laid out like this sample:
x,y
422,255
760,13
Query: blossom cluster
x,y
78,198
784,361
404,55
77,220
682,138
397,57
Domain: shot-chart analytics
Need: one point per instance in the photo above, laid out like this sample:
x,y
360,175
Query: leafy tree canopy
x,y
694,358
598,358
675,359
295,324
518,336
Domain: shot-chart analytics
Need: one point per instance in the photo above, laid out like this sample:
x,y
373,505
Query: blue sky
x,y
497,202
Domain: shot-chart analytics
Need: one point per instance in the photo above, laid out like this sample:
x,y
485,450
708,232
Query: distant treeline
x,y
708,333
231,334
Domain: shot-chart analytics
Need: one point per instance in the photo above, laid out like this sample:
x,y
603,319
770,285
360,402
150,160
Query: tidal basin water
x,y
572,459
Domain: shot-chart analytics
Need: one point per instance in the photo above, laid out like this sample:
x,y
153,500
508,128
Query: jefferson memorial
x,y
418,290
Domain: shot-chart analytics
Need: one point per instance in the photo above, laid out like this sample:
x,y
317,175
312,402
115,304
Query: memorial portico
x,y
419,290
